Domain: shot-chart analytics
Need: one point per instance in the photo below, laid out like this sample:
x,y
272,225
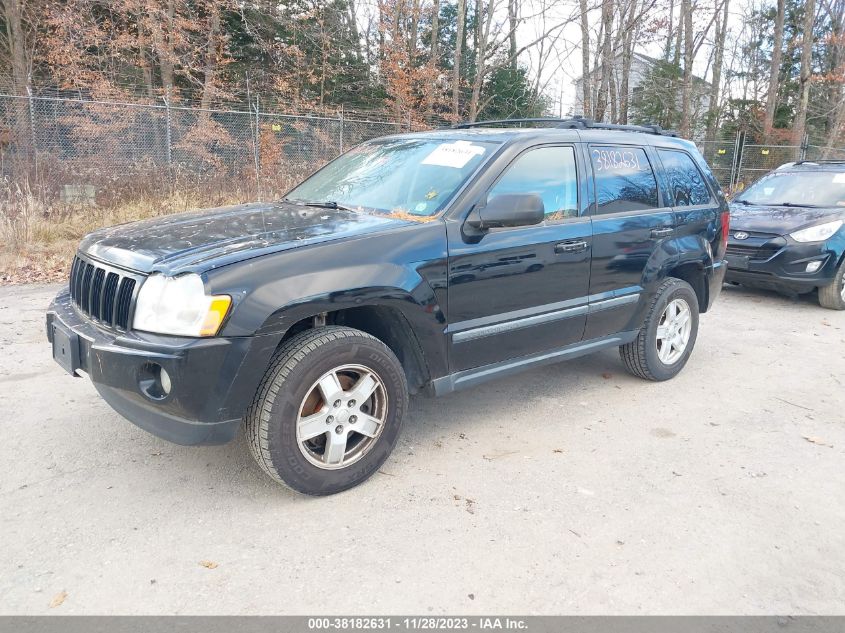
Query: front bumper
x,y
784,266
213,379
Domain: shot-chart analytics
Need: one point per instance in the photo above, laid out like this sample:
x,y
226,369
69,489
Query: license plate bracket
x,y
738,262
66,348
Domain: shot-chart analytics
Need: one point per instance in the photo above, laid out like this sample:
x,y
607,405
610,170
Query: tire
x,y
642,356
832,296
289,389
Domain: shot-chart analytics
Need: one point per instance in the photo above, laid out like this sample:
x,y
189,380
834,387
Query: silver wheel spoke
x,y
313,426
335,448
330,387
367,425
363,389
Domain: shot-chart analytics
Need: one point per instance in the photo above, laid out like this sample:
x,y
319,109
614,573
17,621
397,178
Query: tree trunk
x,y
718,59
774,72
606,59
456,67
512,22
627,59
210,58
13,15
686,86
667,53
585,61
800,125
435,31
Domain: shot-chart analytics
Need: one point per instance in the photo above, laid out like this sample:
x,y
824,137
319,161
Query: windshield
x,y
405,176
804,189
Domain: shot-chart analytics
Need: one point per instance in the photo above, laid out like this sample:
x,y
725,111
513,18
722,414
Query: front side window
x,y
415,176
548,172
624,179
685,179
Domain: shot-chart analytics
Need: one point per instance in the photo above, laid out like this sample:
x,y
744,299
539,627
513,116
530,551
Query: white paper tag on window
x,y
839,179
455,154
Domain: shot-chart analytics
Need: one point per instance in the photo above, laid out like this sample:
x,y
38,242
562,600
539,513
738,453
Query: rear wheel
x,y
668,335
329,410
832,296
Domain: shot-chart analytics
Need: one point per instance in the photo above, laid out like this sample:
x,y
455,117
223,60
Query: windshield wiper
x,y
795,204
742,202
328,204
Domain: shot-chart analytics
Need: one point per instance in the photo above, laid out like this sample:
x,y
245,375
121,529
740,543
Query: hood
x,y
779,220
201,240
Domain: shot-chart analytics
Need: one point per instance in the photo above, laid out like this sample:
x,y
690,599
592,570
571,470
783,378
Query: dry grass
x,y
38,240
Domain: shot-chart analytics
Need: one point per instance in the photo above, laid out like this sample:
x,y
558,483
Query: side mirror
x,y
509,210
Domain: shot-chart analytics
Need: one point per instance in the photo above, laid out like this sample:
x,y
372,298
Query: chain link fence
x,y
737,163
75,150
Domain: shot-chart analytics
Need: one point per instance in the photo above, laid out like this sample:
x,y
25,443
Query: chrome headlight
x,y
817,233
179,306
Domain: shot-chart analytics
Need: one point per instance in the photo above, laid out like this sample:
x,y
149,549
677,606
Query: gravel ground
x,y
571,489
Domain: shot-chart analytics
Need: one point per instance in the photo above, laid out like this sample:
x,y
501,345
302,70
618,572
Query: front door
x,y
629,222
519,291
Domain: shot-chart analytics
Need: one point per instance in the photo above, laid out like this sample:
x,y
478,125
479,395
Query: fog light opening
x,y
813,266
154,381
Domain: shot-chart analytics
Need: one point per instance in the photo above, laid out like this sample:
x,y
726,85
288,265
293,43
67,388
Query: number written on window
x,y
624,179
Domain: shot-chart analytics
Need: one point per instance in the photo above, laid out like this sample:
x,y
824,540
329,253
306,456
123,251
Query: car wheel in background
x,y
667,338
328,411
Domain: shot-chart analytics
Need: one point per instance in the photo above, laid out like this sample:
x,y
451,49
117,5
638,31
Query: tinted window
x,y
684,178
624,180
550,173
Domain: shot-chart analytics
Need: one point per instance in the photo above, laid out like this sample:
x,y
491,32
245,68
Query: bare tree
x,y
456,67
774,70
800,125
718,61
686,83
585,60
600,107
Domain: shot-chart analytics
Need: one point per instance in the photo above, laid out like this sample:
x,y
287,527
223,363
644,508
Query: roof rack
x,y
572,123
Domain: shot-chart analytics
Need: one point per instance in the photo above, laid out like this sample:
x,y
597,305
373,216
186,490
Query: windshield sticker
x,y
839,179
455,155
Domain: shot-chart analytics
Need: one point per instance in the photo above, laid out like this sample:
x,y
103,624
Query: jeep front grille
x,y
103,293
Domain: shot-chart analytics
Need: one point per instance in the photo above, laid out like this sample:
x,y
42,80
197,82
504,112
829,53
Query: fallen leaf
x,y
471,596
208,564
58,599
470,506
816,440
557,450
607,375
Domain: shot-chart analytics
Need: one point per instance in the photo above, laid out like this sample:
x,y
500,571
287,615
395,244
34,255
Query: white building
x,y
641,67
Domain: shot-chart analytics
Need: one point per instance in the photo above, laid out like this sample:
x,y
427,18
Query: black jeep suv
x,y
788,232
420,262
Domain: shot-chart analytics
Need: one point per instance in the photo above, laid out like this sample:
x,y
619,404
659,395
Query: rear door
x,y
518,291
630,219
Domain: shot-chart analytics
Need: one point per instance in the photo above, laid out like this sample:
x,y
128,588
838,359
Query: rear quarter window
x,y
684,177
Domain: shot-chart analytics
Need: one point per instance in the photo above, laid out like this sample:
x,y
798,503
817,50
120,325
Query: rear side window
x,y
624,179
685,179
548,172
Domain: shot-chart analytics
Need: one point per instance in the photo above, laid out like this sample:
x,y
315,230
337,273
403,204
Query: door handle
x,y
662,232
577,246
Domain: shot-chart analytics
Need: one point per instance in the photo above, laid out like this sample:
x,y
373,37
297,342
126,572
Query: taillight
x,y
726,227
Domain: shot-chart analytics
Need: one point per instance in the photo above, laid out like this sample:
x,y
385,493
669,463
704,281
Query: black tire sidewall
x,y
292,466
677,290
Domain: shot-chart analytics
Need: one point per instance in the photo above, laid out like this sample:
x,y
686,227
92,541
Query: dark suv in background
x,y
420,262
788,231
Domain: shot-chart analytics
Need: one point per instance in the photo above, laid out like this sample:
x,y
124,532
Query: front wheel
x,y
328,411
668,335
832,296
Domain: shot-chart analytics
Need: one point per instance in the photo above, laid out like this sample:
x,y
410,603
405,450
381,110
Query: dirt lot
x,y
571,489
